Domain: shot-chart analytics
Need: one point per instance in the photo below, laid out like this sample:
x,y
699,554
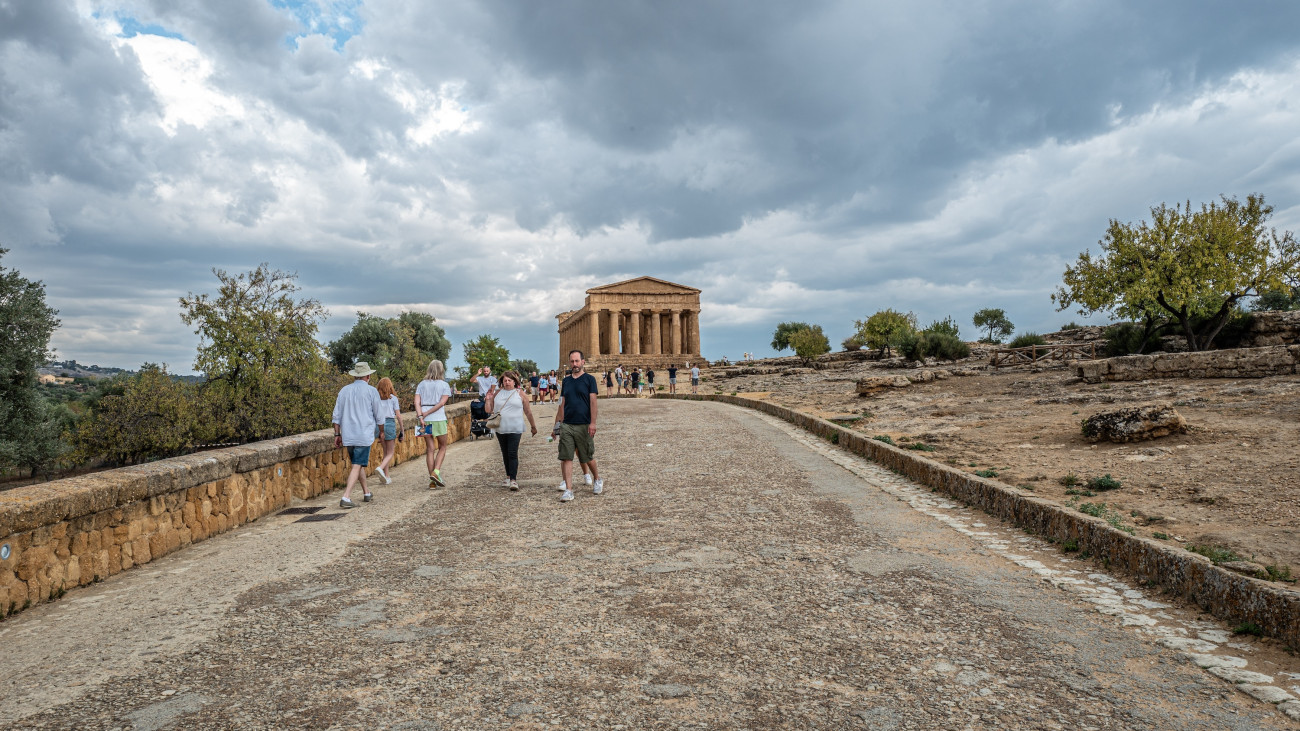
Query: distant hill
x,y
73,369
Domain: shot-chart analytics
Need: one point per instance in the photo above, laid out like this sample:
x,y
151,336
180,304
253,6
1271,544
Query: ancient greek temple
x,y
640,322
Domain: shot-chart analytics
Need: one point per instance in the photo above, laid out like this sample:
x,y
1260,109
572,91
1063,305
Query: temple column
x,y
635,337
695,332
593,339
656,334
675,333
611,332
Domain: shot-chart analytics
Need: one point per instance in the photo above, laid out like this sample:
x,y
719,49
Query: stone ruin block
x,y
1134,424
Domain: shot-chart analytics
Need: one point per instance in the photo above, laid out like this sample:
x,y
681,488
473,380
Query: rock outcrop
x,y
1278,360
1135,424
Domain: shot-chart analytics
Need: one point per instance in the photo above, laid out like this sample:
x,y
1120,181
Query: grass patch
x,y
1030,488
1248,628
919,447
986,473
1217,554
1070,546
1069,480
1104,483
1077,491
1279,573
1160,536
884,438
1099,510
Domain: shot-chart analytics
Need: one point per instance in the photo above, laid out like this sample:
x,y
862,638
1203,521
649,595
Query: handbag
x,y
494,421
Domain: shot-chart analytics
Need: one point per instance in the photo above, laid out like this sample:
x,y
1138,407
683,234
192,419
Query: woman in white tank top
x,y
510,402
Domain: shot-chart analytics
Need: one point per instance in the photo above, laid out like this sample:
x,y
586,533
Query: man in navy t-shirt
x,y
575,420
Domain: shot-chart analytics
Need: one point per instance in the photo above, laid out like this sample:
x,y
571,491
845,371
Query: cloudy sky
x,y
487,161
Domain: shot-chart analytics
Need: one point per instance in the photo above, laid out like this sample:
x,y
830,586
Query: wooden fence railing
x,y
1034,353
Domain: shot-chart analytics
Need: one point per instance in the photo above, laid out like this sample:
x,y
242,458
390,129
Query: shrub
x,y
986,473
932,345
883,438
1248,628
1027,339
853,343
946,326
1104,483
919,447
1071,325
1129,338
1069,480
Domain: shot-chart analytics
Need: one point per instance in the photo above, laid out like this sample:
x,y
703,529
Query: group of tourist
x,y
363,413
544,387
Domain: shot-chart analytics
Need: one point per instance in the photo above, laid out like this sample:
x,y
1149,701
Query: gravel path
x,y
732,576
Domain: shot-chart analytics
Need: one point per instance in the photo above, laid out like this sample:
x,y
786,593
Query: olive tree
x,y
1191,266
29,429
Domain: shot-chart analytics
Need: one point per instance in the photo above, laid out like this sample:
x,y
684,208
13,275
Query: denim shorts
x,y
359,455
390,429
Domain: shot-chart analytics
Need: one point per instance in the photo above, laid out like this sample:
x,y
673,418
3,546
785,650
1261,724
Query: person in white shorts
x,y
431,398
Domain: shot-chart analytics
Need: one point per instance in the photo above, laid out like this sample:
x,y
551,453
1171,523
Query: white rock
x,y
1217,661
1237,675
1186,644
1267,693
1214,635
1291,709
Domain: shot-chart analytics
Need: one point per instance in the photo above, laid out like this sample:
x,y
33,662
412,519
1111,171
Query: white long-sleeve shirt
x,y
358,410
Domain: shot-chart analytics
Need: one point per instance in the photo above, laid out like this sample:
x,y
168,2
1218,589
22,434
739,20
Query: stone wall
x,y
72,532
1223,593
1276,360
1273,328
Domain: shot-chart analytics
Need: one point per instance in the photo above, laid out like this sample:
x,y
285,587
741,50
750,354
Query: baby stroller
x,y
478,419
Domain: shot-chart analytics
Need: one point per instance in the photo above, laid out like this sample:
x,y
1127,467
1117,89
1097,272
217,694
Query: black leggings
x,y
510,452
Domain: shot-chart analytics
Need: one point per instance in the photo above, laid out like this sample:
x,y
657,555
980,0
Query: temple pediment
x,y
643,285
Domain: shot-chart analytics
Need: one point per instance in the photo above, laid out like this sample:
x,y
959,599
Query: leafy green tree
x,y
524,366
781,337
886,329
809,343
1192,267
994,319
398,347
946,326
853,342
154,416
1277,300
29,430
484,350
265,374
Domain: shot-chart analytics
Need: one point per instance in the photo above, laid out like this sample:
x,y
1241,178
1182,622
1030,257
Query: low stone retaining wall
x,y
72,532
1225,594
1278,360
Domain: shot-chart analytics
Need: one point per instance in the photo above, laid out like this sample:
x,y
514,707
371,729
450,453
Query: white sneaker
x,y
587,478
506,483
567,496
599,487
564,487
514,485
387,480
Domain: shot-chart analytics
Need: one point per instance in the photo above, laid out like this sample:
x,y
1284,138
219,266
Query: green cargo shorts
x,y
574,437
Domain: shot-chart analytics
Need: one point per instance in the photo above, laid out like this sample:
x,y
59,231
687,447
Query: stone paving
x,y
737,573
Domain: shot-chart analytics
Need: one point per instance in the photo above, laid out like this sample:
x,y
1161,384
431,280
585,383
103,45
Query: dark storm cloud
x,y
488,161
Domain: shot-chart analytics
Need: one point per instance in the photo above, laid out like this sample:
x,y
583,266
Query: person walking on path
x,y
532,386
695,378
357,410
554,385
618,377
513,407
484,381
650,379
609,383
576,419
672,378
431,398
389,430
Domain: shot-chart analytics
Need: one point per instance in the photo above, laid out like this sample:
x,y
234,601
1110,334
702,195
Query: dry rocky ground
x,y
1232,481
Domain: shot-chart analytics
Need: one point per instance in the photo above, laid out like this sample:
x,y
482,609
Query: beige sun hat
x,y
361,370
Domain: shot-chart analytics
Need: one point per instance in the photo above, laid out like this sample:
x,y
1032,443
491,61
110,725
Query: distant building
x,y
48,378
640,322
